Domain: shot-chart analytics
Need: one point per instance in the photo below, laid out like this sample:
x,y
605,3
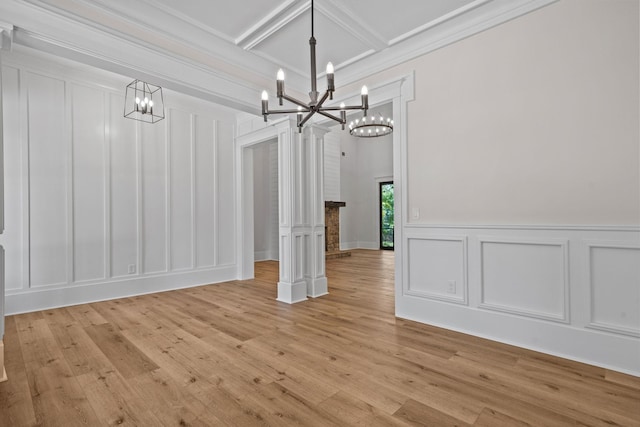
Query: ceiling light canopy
x,y
306,110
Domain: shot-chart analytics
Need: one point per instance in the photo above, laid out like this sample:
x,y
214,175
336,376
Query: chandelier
x,y
306,110
143,102
375,126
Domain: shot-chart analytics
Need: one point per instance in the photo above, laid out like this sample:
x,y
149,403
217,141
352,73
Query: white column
x,y
315,275
301,207
292,286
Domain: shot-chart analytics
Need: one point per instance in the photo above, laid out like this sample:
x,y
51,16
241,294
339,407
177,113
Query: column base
x,y
3,372
317,287
292,293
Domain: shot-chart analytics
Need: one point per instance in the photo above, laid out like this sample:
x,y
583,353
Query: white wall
x,y
265,201
532,128
521,184
99,206
331,166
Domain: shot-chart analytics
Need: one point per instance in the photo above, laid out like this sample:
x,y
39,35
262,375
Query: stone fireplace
x,y
332,230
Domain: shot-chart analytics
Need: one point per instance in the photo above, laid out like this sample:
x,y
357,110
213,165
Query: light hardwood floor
x,y
229,354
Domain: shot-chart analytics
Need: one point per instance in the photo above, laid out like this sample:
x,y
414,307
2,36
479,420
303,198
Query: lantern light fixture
x,y
143,102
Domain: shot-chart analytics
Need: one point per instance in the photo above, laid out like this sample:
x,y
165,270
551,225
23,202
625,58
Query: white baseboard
x,y
48,298
261,256
368,245
346,246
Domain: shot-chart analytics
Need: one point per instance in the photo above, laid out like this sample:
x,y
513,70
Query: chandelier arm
x,y
337,119
287,111
353,107
346,107
306,118
297,102
319,104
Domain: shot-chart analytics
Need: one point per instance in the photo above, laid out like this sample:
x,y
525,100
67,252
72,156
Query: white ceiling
x,y
248,40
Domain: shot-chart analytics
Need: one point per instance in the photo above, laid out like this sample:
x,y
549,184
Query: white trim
x,y
563,244
558,227
464,299
589,245
577,338
24,302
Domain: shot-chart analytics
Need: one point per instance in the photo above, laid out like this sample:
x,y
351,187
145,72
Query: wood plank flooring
x,y
230,354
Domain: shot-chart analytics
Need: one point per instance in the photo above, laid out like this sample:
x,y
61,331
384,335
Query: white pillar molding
x,y
300,207
292,286
316,279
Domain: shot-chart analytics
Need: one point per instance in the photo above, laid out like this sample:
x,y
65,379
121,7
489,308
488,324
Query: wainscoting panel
x,y
570,291
49,180
155,214
100,206
614,270
438,268
205,190
89,156
123,198
180,186
15,206
528,278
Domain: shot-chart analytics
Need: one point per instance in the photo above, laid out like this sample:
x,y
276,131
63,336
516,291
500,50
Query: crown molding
x,y
215,69
447,33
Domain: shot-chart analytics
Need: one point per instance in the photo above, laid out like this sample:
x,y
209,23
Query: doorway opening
x,y
385,196
265,201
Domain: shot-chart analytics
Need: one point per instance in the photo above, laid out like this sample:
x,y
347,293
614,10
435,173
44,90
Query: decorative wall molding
x,y
113,191
533,227
531,266
586,307
609,296
431,266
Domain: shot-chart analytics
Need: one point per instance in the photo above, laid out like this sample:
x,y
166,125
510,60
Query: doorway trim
x,y
244,197
400,91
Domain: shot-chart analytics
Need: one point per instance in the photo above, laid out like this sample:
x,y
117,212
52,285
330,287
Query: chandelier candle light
x,y
306,110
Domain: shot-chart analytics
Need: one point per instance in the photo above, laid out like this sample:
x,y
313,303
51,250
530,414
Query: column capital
x,y
315,130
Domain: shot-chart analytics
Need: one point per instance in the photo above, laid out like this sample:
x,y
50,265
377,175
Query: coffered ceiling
x,y
246,41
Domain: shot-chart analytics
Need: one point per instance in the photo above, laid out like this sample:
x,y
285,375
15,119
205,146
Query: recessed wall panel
x,y
437,268
181,214
205,190
14,173
525,278
88,145
124,189
154,200
615,288
226,249
48,181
